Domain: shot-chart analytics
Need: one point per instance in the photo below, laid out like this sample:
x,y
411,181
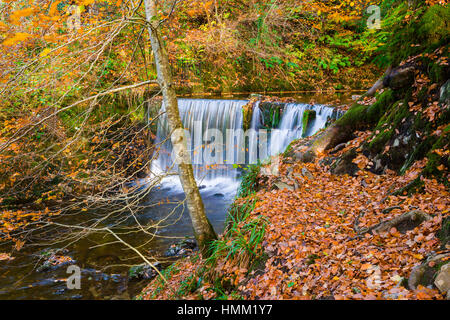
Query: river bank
x,y
358,211
316,243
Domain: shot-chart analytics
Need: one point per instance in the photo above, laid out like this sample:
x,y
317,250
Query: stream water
x,y
104,268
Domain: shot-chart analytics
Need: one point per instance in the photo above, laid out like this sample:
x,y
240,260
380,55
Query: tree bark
x,y
203,230
379,84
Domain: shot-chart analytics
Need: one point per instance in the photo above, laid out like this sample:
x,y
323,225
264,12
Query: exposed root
x,y
402,222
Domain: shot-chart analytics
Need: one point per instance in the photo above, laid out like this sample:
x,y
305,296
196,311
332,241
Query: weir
x,y
218,143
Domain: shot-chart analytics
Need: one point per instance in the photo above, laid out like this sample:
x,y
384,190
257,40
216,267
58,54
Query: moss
x,y
361,115
438,73
380,140
271,114
418,153
247,113
427,26
288,151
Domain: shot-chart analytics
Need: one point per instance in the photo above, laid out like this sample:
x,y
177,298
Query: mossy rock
x,y
271,114
307,120
143,271
247,114
359,116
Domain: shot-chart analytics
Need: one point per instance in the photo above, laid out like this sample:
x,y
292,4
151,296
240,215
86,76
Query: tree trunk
x,y
203,230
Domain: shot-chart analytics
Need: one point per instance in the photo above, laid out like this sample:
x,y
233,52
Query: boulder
x,y
305,157
345,165
421,275
442,280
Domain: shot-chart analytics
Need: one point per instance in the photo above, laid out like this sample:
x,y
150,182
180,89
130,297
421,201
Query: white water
x,y
214,148
291,126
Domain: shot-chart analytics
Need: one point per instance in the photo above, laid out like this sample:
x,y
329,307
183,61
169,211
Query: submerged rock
x,y
53,260
219,195
181,248
143,271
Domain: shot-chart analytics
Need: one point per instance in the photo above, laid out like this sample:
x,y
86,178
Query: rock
x,y
421,274
400,77
305,157
218,195
256,96
143,271
344,164
445,93
281,185
356,97
272,168
53,261
181,248
298,176
307,174
442,280
396,143
308,117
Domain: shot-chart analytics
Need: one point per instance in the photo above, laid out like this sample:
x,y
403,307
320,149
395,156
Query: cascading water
x,y
205,120
218,142
291,124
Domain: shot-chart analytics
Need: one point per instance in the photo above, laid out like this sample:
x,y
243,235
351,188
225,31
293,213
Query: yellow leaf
x,y
418,256
18,37
45,52
16,15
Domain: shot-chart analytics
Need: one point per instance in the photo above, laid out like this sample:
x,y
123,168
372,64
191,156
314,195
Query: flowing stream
x,y
218,142
219,148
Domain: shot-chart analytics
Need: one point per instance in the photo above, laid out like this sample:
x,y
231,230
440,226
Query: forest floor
x,y
318,242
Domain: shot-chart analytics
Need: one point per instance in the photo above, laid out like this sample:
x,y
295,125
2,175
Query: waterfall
x,y
291,124
218,143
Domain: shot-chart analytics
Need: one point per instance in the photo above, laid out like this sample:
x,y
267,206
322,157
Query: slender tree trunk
x,y
203,230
